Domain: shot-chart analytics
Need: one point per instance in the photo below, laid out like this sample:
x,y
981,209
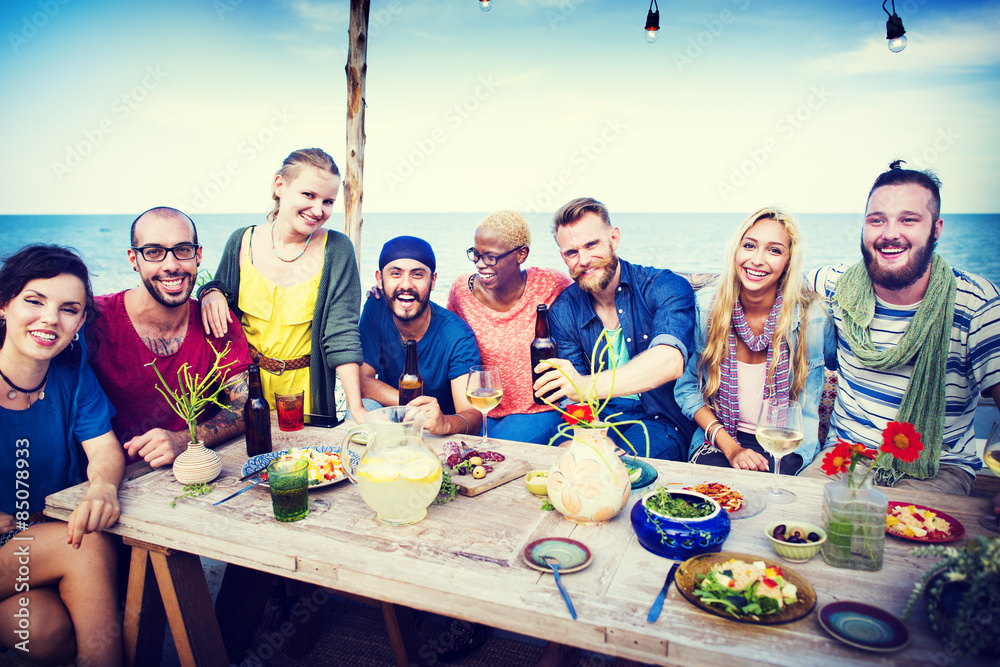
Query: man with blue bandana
x,y
446,346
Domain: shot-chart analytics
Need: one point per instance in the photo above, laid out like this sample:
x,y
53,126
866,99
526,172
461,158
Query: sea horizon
x,y
684,242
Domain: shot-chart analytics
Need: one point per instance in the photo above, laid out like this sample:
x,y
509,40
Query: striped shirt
x,y
868,399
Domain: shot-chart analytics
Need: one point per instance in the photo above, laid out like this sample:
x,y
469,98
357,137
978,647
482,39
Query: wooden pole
x,y
357,68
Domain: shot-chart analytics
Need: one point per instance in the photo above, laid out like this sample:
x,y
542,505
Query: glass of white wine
x,y
779,431
991,457
485,392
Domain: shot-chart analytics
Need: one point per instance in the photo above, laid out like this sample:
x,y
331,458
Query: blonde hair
x,y
293,166
510,226
796,298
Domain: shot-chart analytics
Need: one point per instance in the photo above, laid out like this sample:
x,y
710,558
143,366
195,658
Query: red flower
x,y
902,441
837,459
578,413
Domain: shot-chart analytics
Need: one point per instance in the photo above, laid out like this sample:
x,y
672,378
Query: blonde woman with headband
x,y
760,333
499,302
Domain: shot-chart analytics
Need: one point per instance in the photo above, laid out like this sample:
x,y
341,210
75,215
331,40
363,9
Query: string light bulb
x,y
653,22
894,31
485,5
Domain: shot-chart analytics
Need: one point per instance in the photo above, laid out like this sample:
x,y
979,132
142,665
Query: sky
x,y
117,106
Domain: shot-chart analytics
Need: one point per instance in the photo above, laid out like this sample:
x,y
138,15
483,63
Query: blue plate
x,y
573,556
648,476
262,460
864,626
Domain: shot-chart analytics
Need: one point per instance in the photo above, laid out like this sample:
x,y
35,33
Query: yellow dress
x,y
278,322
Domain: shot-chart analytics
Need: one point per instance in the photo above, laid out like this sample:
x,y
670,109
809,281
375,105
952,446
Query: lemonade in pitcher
x,y
399,480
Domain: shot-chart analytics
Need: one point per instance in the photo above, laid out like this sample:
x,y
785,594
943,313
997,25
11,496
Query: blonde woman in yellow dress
x,y
295,287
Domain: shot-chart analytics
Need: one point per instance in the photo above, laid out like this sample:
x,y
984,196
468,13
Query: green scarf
x,y
927,338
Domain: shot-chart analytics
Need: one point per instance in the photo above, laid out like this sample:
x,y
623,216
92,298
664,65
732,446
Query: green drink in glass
x,y
289,482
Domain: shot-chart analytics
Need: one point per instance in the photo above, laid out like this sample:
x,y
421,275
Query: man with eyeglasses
x,y
645,314
159,321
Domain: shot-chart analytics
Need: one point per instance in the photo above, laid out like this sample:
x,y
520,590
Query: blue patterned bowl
x,y
680,539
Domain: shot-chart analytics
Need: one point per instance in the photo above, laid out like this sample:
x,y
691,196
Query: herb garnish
x,y
665,503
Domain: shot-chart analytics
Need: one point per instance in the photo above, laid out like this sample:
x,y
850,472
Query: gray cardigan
x,y
335,320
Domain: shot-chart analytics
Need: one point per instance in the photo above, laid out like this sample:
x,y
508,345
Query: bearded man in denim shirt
x,y
648,315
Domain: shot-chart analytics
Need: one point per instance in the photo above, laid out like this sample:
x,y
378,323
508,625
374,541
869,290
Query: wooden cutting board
x,y
503,472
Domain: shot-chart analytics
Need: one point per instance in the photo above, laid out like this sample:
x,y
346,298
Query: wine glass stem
x,y
777,472
485,441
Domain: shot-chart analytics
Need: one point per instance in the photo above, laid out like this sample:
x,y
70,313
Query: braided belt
x,y
278,366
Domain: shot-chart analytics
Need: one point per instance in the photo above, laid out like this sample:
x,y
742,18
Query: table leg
x,y
189,609
145,620
402,630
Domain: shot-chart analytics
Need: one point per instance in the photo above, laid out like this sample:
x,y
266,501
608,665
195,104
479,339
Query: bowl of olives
x,y
795,541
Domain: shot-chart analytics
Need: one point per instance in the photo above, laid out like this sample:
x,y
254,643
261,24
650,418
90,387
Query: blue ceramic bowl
x,y
680,539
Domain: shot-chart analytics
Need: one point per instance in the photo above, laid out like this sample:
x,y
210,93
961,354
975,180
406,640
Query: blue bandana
x,y
407,247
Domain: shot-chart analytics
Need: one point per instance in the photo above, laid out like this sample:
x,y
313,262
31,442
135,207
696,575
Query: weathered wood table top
x,y
464,559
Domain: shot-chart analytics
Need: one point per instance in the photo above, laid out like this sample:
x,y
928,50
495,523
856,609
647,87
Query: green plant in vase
x,y
962,593
853,510
194,394
589,484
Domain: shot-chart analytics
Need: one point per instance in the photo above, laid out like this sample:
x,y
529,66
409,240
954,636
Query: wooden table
x,y
464,560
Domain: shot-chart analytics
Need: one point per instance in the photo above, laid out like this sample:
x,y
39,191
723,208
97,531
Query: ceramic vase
x,y
197,465
854,519
588,484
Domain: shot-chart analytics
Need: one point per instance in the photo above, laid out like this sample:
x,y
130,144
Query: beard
x,y
169,300
903,277
601,281
404,316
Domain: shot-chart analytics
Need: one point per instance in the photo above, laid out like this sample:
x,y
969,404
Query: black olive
x,y
813,537
779,530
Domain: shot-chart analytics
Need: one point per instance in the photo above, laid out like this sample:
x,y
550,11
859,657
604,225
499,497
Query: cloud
x,y
321,16
958,45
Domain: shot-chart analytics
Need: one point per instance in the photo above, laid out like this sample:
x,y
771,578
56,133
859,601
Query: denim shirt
x,y
655,307
820,336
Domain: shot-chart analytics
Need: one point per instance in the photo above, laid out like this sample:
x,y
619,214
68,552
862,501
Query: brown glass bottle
x,y
411,384
257,416
544,346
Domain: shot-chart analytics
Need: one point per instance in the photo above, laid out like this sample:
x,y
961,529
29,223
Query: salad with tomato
x,y
323,467
746,589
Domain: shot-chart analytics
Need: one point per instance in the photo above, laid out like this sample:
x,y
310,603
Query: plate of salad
x,y
745,588
324,464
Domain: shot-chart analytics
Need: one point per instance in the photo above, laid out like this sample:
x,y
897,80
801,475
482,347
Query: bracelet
x,y
465,431
715,432
709,425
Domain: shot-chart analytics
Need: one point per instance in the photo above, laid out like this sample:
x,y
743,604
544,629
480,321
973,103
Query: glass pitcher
x,y
398,475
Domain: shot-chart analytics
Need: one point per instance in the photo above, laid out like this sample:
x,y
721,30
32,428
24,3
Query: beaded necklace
x,y
301,252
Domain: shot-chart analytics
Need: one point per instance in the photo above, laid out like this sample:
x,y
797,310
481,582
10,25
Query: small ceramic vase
x,y
588,484
197,465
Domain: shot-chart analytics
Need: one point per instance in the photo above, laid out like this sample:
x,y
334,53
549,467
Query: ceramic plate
x,y
754,501
957,529
864,626
262,460
687,580
573,556
648,476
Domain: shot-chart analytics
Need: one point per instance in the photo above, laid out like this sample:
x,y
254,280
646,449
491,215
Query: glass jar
x,y
854,519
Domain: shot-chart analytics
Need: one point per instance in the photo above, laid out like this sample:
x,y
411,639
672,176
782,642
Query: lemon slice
x,y
421,470
379,471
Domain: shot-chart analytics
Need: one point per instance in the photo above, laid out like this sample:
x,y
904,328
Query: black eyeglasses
x,y
488,260
155,253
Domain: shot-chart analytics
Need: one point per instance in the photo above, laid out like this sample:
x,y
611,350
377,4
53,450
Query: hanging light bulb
x,y
653,22
485,5
894,31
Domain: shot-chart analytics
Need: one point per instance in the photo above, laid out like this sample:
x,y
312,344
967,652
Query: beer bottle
x,y
257,416
544,346
411,384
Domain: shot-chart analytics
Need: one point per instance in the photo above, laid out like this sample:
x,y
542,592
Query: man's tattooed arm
x,y
228,423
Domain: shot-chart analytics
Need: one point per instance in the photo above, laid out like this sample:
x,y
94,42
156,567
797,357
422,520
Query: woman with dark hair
x,y
55,432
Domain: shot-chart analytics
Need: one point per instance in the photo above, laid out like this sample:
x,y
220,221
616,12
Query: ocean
x,y
678,241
